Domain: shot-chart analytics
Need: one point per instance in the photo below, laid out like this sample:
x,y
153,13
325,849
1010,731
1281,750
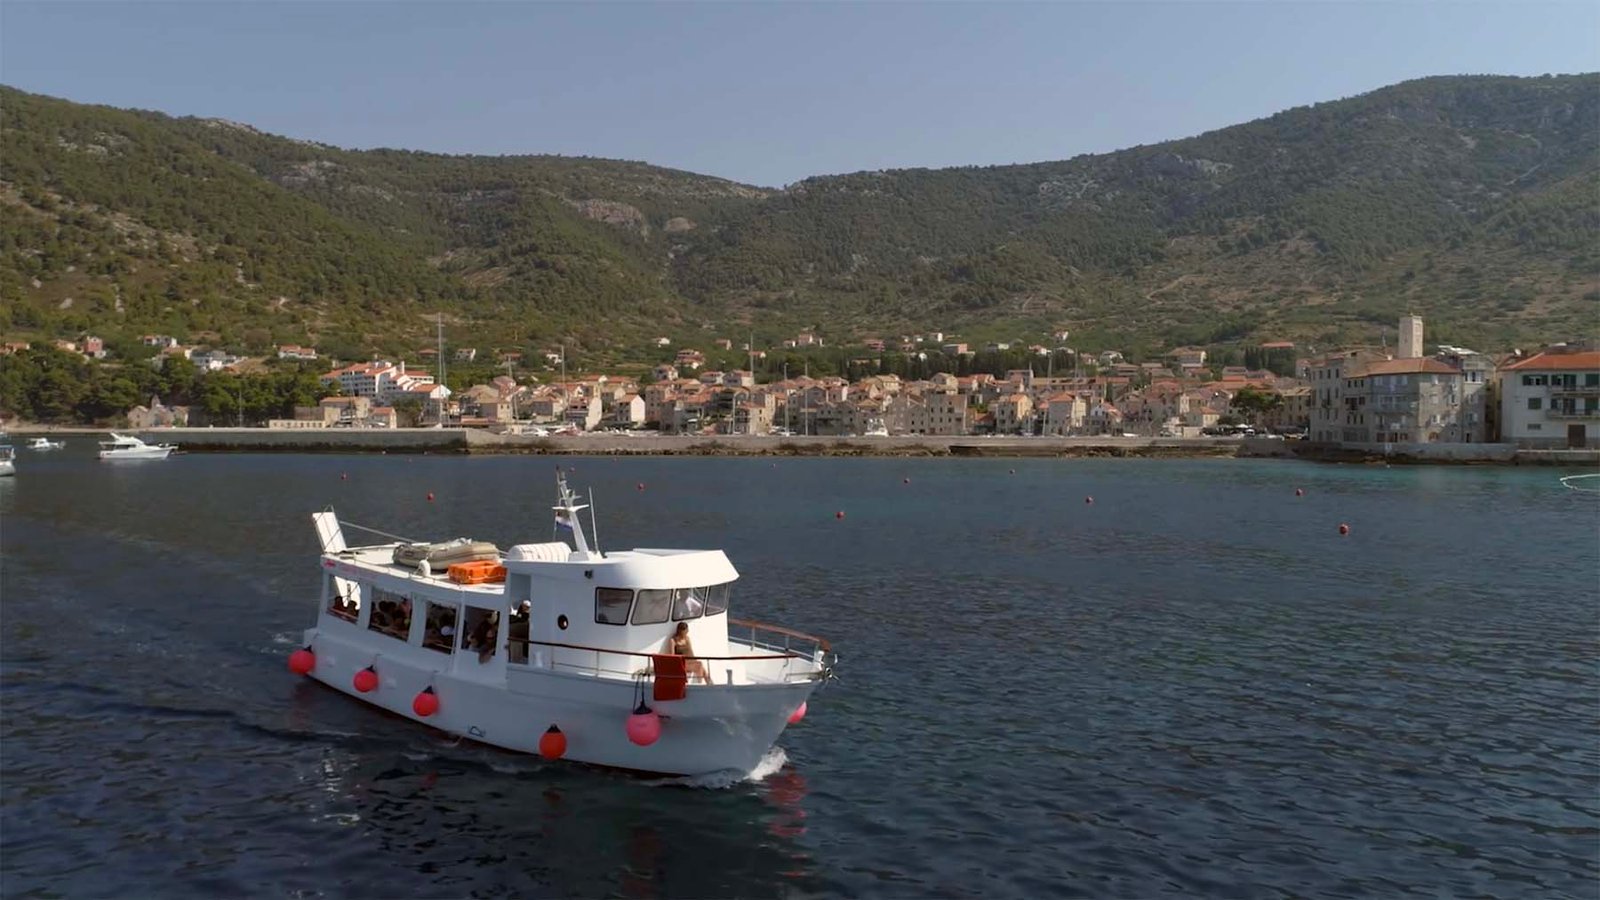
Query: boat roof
x,y
645,568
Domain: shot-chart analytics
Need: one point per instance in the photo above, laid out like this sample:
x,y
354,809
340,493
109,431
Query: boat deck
x,y
379,559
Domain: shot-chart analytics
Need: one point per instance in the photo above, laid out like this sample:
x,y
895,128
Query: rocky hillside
x,y
1472,200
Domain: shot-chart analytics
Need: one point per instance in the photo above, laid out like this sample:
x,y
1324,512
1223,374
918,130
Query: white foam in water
x,y
773,761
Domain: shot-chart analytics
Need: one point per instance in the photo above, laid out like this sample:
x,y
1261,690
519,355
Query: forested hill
x,y
1472,200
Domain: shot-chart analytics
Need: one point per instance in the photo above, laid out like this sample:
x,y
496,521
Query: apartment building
x,y
1552,399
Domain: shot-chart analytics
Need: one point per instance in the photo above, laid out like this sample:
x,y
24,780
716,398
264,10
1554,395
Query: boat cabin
x,y
552,607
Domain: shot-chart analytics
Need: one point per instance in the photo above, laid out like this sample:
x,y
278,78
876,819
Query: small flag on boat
x,y
563,522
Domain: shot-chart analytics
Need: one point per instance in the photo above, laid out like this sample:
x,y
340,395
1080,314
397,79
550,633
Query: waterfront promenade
x,y
479,442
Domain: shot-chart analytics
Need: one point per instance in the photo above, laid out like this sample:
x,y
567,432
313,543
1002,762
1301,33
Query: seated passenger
x,y
678,644
482,639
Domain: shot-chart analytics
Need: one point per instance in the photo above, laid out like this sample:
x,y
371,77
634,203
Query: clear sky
x,y
766,93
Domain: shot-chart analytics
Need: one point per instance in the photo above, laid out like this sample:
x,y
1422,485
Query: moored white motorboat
x,y
122,446
8,460
561,650
44,443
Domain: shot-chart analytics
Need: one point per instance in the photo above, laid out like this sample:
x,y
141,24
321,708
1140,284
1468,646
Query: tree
x,y
408,410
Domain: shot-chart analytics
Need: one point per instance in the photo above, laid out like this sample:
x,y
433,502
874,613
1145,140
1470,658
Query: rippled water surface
x,y
1192,686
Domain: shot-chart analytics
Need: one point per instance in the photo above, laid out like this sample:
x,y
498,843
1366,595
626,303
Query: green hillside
x,y
1472,200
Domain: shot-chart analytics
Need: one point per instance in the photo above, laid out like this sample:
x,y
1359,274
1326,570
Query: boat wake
x,y
774,760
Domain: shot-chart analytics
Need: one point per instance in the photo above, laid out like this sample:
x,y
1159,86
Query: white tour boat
x,y
44,443
8,460
122,446
561,650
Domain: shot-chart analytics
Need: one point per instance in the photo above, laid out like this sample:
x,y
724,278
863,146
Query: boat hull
x,y
142,453
7,467
715,728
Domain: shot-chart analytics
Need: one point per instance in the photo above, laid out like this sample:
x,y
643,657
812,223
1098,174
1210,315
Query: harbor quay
x,y
474,441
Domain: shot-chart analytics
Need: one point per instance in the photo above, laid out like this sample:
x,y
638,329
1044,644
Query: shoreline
x,y
476,442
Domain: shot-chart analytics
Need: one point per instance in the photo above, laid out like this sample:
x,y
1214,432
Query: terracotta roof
x,y
1418,366
1551,362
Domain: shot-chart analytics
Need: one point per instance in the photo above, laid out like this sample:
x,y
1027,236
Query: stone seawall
x,y
311,440
477,441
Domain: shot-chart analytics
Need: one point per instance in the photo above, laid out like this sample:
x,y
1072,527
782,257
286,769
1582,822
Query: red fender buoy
x,y
366,680
798,714
839,514
1299,492
1343,528
425,703
302,661
430,496
641,485
552,744
644,726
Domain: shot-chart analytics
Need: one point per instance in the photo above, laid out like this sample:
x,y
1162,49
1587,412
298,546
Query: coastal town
x,y
1548,398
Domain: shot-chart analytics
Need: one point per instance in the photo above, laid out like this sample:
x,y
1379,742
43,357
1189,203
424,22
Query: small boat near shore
x,y
8,460
44,443
122,446
627,659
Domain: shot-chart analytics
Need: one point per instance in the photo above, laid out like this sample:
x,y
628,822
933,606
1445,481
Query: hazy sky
x,y
766,93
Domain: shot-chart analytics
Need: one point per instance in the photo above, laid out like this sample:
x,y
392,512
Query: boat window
x,y
611,605
517,648
344,600
688,603
482,633
652,607
440,630
391,614
717,598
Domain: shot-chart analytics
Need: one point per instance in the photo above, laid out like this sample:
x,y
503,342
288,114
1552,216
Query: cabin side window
x,y
717,598
481,634
688,603
344,599
611,605
517,637
653,607
440,627
391,614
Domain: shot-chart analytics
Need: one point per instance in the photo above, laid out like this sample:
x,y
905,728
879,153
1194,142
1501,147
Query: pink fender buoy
x,y
302,661
366,680
1343,528
644,726
425,703
1299,492
798,714
641,485
552,744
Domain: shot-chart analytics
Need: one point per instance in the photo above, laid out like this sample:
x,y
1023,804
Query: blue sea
x,y
1192,686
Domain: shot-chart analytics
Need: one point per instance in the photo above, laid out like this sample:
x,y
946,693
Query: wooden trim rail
x,y
822,643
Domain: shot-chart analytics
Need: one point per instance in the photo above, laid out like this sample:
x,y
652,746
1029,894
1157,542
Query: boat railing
x,y
817,669
778,638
